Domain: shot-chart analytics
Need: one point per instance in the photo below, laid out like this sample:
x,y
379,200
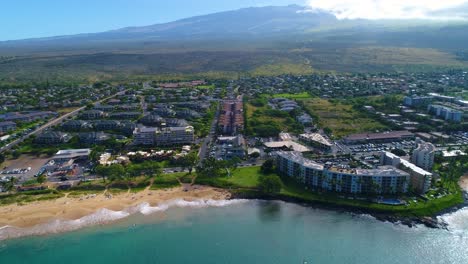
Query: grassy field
x,y
265,122
341,118
304,95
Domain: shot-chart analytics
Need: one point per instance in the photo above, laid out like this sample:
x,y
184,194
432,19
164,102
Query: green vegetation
x,y
266,122
420,208
339,118
303,95
31,196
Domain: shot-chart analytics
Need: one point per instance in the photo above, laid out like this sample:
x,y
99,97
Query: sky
x,y
22,19
394,9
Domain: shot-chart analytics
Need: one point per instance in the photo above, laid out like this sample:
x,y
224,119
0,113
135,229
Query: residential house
x,y
52,138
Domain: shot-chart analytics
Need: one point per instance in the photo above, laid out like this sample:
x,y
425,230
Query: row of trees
x,y
118,172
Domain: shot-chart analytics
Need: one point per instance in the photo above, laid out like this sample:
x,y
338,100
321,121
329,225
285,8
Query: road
x,y
202,154
51,123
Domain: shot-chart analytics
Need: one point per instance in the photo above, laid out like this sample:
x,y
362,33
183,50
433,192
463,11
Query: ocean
x,y
243,232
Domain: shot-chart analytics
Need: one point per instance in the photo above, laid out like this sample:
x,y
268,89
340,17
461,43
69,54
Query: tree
x,y
112,173
9,185
211,167
399,152
255,155
270,184
2,158
102,171
41,178
189,161
116,172
268,166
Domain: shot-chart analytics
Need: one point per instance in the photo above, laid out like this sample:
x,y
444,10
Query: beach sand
x,y
68,208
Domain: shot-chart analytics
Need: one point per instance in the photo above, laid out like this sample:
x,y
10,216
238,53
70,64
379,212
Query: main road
x,y
203,153
53,122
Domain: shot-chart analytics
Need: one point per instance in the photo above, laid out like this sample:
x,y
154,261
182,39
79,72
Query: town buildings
x,y
52,137
7,126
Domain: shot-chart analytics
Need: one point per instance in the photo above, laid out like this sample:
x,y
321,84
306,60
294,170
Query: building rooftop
x,y
317,138
288,144
407,164
297,157
376,136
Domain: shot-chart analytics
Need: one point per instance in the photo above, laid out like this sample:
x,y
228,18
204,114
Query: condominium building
x,y
231,119
423,155
383,180
420,178
152,136
446,113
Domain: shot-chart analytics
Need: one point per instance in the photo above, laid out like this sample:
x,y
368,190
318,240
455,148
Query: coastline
x,y
75,208
71,213
433,221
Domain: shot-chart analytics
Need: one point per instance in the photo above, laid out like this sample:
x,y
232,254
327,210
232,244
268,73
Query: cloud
x,y
394,9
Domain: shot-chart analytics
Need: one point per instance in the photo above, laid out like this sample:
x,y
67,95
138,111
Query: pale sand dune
x,y
65,208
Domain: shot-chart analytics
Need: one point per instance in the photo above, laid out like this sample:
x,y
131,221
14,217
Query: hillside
x,y
250,41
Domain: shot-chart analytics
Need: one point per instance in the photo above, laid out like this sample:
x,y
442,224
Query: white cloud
x,y
390,9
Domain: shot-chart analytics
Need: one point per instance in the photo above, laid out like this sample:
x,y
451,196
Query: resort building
x,y
423,155
383,180
415,101
231,119
152,136
448,114
233,147
420,178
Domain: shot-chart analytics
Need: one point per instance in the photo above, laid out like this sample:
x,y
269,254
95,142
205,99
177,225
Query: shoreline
x,y
433,221
76,210
54,216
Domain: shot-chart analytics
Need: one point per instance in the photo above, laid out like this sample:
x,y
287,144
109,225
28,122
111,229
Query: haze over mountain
x,y
271,40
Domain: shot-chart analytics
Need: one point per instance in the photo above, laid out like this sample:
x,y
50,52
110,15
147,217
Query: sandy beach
x,y
67,208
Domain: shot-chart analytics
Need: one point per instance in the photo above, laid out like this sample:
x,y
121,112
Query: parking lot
x,y
22,163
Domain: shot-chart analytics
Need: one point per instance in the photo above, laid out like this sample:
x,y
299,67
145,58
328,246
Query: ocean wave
x,y
104,216
456,221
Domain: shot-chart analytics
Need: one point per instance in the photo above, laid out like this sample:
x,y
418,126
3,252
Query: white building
x,y
420,178
423,155
383,180
151,136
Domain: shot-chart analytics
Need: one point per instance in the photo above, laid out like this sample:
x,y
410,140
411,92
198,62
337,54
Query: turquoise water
x,y
248,232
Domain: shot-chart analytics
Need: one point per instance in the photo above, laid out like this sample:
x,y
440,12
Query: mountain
x,y
258,41
246,22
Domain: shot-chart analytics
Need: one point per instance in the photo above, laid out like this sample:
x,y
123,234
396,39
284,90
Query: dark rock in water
x,y
430,222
